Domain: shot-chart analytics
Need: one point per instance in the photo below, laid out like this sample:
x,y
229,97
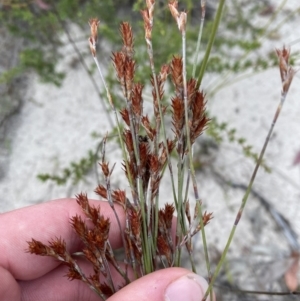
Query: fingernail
x,y
190,287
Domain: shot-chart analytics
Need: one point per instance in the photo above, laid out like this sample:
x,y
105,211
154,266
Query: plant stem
x,y
190,153
118,123
245,198
203,9
151,59
211,41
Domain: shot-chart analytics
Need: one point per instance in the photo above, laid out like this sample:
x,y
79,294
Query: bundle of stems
x,y
154,236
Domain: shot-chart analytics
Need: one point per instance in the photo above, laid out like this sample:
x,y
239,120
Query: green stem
x,y
203,4
151,59
245,198
190,153
211,41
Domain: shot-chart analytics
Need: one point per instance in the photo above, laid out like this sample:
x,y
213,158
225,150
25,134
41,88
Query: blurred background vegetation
x,y
41,23
39,26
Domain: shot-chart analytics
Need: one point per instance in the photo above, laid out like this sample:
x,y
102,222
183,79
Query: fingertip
x,y
164,285
189,287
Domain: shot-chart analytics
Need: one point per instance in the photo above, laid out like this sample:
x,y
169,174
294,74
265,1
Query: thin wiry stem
x,y
86,280
147,257
211,41
148,21
132,257
180,215
141,197
203,11
151,60
247,193
109,193
116,265
150,53
108,271
118,122
111,203
190,154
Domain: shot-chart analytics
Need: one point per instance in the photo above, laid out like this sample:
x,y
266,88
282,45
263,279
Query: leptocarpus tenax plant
x,y
151,235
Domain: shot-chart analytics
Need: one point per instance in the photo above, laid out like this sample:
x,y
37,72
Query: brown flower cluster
x,y
94,23
180,17
97,250
196,107
286,71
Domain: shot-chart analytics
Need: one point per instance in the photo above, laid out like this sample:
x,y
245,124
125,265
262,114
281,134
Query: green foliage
x,y
41,29
35,59
75,172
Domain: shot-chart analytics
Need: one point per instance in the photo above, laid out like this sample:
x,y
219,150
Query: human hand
x,y
29,277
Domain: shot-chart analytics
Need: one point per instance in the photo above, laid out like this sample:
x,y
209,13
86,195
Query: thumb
x,y
170,284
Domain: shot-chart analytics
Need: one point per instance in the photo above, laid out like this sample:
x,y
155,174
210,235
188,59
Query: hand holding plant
x,y
26,277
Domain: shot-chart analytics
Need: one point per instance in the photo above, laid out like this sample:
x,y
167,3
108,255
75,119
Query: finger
x,y
165,285
44,222
55,287
9,288
172,284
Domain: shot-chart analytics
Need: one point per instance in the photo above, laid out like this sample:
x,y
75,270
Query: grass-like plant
x,y
155,234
